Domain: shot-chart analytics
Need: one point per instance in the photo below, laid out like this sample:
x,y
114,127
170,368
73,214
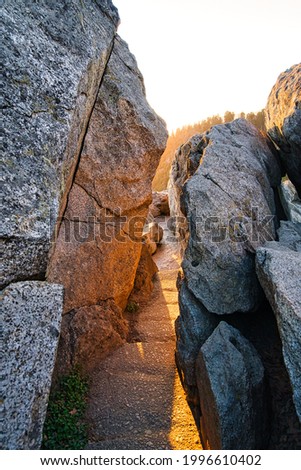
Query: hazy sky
x,y
203,57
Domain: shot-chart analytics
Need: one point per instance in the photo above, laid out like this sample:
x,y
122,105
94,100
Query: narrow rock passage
x,y
136,400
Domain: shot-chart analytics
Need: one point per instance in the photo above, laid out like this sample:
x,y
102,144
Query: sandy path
x,y
136,400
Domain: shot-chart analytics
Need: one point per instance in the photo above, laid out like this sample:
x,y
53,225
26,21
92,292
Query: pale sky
x,y
204,57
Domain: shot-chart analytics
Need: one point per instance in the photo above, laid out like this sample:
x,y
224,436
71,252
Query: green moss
x,y
48,106
63,428
59,119
25,80
132,307
29,153
10,162
112,76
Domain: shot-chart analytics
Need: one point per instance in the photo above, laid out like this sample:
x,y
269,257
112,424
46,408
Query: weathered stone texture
x,y
283,121
111,192
154,232
193,327
159,205
81,148
225,207
32,318
290,201
185,163
279,272
289,235
230,378
146,270
131,140
87,334
94,257
54,54
230,209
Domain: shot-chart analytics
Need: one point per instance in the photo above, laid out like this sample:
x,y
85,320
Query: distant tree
x,y
229,116
180,136
257,119
251,117
260,120
211,121
175,140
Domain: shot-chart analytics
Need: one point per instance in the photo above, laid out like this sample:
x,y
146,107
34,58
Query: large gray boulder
x,y
55,54
193,327
230,378
279,271
283,121
32,314
228,200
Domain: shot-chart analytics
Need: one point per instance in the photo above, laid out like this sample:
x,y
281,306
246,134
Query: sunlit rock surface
x,y
160,204
99,243
88,333
283,121
146,270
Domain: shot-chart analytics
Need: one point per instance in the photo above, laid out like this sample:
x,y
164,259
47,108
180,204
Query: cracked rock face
x,y
54,57
81,149
278,268
228,200
283,121
99,242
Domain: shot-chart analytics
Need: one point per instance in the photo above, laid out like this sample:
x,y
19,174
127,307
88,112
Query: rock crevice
x,y
76,157
55,67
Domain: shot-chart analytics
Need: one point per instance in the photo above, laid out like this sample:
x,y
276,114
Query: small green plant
x,y
63,428
132,307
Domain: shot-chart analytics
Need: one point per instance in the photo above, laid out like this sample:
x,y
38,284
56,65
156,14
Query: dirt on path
x,y
136,400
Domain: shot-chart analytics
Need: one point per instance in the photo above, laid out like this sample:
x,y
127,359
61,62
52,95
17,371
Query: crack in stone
x,y
209,178
73,176
95,200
